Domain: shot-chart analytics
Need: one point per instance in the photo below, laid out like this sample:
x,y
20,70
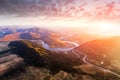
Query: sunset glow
x,y
96,16
107,26
60,39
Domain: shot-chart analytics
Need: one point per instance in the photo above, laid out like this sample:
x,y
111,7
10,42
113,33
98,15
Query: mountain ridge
x,y
103,52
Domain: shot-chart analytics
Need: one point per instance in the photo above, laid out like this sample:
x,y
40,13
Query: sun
x,y
104,26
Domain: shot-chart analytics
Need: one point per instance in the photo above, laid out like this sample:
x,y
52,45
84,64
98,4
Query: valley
x,y
77,59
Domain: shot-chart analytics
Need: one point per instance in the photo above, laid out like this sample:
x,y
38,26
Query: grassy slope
x,y
106,50
62,62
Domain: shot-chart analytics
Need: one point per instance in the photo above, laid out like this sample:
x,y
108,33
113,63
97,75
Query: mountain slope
x,y
41,64
52,38
36,53
20,35
104,52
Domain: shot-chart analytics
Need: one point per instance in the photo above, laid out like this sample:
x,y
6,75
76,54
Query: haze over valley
x,y
59,40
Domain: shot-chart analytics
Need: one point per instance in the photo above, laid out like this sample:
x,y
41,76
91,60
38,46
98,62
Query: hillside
x,y
35,52
20,35
52,38
42,64
104,52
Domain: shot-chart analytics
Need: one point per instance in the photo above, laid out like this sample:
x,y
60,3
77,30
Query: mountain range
x,y
31,60
48,36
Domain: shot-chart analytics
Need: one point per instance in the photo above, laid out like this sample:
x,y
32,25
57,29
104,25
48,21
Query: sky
x,y
59,13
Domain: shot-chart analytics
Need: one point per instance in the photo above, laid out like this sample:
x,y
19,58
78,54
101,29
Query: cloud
x,y
36,7
58,8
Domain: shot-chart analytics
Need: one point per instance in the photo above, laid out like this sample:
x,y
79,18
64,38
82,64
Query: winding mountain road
x,y
85,59
7,59
46,46
78,54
